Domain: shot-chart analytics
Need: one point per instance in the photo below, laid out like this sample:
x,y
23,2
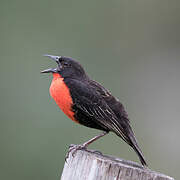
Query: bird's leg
x,y
93,139
74,148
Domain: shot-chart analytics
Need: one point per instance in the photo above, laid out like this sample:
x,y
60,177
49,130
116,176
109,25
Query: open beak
x,y
55,58
52,70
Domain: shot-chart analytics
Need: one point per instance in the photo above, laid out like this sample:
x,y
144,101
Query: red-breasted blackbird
x,y
87,102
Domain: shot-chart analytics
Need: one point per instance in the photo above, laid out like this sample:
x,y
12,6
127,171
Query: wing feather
x,y
93,105
103,110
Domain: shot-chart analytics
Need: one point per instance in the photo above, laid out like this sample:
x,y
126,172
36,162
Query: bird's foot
x,y
73,148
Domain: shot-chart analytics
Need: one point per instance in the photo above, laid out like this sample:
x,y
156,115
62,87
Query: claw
x,y
73,149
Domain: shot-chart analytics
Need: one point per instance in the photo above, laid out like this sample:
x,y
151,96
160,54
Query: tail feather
x,y
136,148
124,130
129,137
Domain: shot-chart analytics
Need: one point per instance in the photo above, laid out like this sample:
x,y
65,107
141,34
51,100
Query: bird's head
x,y
66,67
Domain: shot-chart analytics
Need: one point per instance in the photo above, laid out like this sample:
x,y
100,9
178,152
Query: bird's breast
x,y
61,94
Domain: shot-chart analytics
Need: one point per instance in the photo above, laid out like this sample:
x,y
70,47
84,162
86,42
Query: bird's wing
x,y
114,103
91,102
94,103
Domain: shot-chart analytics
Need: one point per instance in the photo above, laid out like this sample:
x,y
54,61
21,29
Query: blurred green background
x,y
131,47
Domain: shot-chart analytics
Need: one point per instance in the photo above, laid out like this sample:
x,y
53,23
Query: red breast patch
x,y
60,93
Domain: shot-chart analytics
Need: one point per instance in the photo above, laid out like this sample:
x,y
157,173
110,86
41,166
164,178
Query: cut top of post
x,y
88,165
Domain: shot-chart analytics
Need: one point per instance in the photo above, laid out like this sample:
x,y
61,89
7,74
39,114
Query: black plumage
x,y
93,105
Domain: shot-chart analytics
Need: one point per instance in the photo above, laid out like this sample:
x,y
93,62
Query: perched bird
x,y
87,102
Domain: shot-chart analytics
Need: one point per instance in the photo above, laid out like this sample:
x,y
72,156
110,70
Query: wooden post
x,y
90,165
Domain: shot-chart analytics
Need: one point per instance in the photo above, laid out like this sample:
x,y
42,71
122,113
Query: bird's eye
x,y
66,64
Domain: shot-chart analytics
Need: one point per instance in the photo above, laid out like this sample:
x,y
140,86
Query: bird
x,y
88,103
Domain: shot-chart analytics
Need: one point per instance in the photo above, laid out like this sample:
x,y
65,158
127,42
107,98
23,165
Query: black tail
x,y
136,148
129,137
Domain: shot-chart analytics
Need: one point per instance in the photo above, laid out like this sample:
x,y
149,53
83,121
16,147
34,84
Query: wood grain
x,y
90,165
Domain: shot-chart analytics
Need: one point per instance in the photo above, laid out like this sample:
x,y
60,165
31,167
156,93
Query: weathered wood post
x,y
88,165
